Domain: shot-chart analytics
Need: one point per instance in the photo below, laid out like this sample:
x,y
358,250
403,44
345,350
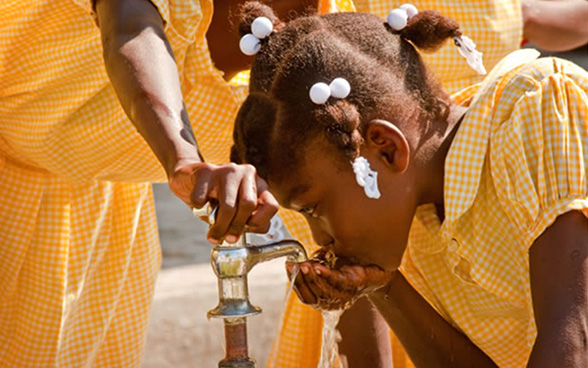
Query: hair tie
x,y
467,49
260,29
398,18
320,92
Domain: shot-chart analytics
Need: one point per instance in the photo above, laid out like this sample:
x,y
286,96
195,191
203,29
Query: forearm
x,y
143,72
429,340
365,337
555,25
561,347
559,278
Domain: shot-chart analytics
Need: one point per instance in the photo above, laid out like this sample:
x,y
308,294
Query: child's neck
x,y
433,167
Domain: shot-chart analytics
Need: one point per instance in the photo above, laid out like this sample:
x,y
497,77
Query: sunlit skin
x,y
372,233
151,96
341,216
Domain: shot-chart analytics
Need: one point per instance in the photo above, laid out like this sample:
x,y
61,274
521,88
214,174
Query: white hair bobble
x,y
260,29
398,18
320,92
467,49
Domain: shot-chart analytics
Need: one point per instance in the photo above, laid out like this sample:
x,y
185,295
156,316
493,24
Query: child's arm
x,y
429,340
559,281
555,25
141,66
559,285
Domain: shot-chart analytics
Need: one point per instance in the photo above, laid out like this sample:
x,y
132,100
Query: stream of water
x,y
331,338
330,335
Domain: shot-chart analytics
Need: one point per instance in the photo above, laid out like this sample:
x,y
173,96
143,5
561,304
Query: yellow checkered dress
x,y
496,27
519,160
79,248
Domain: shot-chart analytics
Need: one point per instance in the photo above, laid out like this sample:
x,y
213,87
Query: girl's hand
x,y
242,197
336,288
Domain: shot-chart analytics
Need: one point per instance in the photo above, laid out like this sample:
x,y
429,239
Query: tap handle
x,y
207,211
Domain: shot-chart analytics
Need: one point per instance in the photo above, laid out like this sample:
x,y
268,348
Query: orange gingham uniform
x,y
79,250
519,160
496,28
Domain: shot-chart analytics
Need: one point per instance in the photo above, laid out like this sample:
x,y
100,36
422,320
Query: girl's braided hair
x,y
387,76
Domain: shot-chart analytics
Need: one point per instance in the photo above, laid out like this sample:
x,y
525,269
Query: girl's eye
x,y
309,210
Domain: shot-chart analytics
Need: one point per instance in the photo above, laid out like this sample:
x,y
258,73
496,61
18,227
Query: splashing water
x,y
331,338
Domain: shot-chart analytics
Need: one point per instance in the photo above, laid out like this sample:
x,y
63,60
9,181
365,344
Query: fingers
x,y
317,284
247,202
243,198
315,290
333,277
236,188
201,188
300,286
267,206
228,183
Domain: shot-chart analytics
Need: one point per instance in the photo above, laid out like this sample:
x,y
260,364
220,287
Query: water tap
x,y
231,264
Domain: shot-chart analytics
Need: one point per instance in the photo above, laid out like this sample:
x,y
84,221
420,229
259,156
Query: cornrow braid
x,y
387,76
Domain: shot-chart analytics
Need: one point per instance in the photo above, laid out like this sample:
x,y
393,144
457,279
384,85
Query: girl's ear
x,y
387,142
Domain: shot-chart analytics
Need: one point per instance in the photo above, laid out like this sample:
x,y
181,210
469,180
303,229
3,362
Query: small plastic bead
x,y
397,19
340,88
262,27
410,10
320,93
249,44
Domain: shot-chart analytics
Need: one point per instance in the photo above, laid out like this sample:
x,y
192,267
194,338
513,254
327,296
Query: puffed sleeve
x,y
539,156
90,7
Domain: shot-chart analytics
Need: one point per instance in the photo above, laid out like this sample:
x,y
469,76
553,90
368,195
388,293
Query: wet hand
x,y
242,197
329,288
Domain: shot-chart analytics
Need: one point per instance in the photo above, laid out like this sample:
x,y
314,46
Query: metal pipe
x,y
236,355
231,264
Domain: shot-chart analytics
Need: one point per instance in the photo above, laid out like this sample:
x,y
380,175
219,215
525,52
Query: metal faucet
x,y
231,264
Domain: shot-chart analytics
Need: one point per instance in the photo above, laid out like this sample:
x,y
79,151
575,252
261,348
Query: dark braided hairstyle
x,y
387,76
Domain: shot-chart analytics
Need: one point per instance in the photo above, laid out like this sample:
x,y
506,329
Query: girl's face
x,y
340,215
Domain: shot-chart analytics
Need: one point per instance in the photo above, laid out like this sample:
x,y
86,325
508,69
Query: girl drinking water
x,y
463,218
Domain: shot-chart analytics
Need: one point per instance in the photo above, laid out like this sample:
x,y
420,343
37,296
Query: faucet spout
x,y
285,248
232,264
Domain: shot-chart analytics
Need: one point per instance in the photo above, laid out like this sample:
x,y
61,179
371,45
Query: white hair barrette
x,y
467,49
260,29
320,92
366,177
398,18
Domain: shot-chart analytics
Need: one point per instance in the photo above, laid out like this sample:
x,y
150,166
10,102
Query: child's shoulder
x,y
541,72
535,87
538,103
521,73
538,152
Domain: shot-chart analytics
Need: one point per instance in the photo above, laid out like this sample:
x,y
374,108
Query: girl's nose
x,y
320,235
